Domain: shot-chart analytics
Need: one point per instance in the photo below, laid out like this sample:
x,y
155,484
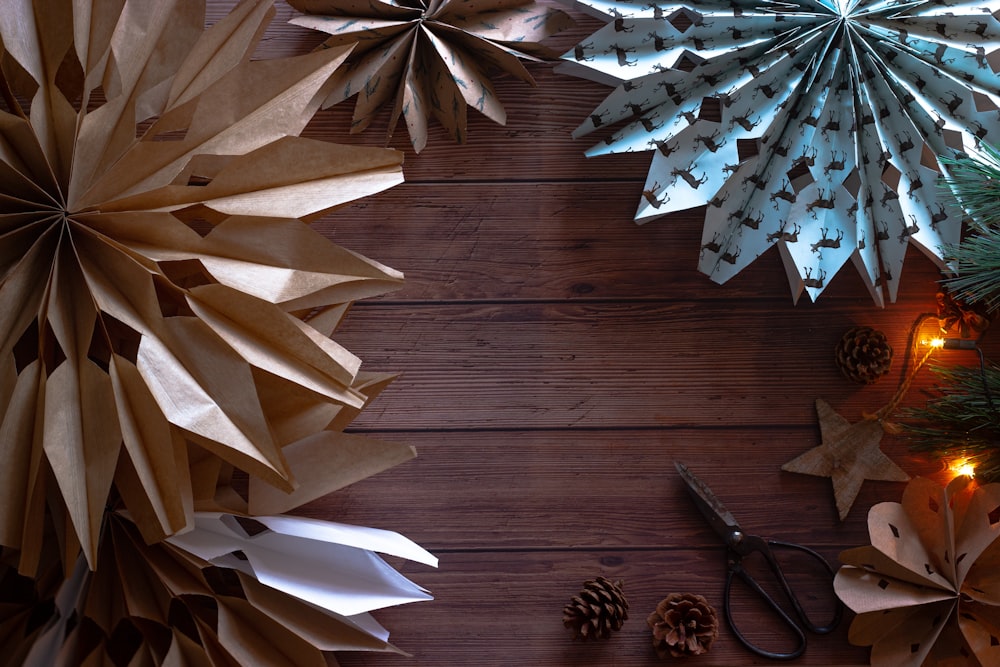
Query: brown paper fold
x,y
323,463
153,459
161,605
433,60
928,587
219,49
158,280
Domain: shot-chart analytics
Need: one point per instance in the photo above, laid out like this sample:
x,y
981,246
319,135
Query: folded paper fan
x,y
927,590
271,592
814,125
26,604
430,57
164,309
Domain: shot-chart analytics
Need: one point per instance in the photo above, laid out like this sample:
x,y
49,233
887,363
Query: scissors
x,y
738,546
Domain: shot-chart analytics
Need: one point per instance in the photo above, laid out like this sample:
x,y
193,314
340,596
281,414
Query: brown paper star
x,y
204,600
849,455
914,604
163,304
430,58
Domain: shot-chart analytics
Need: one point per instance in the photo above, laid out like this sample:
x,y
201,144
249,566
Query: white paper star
x,y
813,125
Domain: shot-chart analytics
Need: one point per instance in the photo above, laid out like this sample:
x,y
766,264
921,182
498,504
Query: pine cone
x,y
864,354
599,610
683,624
972,319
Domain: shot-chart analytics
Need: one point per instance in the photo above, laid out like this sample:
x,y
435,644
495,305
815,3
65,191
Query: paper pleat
x,y
820,128
157,274
927,588
431,60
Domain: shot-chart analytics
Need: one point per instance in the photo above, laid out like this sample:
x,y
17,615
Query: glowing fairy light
x,y
962,467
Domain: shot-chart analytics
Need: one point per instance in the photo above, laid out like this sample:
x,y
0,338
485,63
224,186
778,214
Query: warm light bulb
x,y
936,342
962,467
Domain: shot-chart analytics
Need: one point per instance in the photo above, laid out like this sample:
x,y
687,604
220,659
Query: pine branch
x,y
978,263
975,184
962,421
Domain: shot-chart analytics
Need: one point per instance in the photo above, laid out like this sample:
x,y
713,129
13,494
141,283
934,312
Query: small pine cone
x,y
864,354
972,319
683,624
599,610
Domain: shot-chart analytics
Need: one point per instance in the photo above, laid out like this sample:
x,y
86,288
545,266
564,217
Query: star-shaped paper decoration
x,y
849,454
430,57
164,309
927,589
267,592
813,125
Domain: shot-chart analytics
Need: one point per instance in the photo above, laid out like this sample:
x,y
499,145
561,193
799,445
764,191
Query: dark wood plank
x,y
564,241
614,365
504,608
559,241
531,490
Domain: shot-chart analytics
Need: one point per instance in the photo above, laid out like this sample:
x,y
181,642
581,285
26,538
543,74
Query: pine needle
x,y
975,183
961,421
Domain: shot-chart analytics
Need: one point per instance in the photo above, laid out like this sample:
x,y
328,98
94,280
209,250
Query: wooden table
x,y
556,359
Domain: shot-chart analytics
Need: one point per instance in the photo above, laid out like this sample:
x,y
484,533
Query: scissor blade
x,y
721,520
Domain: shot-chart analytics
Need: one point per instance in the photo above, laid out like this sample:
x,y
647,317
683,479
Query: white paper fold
x,y
814,125
331,565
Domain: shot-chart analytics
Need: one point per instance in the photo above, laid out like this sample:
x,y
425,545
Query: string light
x,y
925,343
931,343
939,343
962,467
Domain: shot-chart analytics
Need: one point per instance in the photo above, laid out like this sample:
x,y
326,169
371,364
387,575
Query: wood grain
x,y
599,489
556,359
565,241
504,608
612,364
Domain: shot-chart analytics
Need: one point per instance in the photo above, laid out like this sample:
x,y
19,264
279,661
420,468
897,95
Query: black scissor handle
x,y
751,544
737,569
838,610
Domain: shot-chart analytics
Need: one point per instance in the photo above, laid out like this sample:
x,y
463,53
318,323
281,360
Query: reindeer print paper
x,y
814,125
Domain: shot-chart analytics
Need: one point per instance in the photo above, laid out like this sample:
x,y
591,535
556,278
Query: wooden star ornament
x,y
849,454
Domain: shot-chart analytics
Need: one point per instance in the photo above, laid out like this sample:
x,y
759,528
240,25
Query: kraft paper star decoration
x,y
926,591
817,126
849,454
430,57
272,591
165,309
